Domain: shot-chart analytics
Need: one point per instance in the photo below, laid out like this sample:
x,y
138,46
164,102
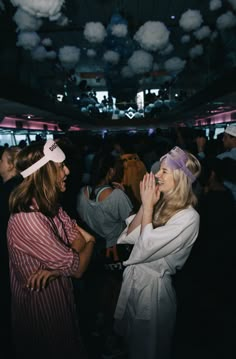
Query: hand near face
x,y
149,191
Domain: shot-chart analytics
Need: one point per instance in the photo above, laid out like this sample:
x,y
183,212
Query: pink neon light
x,y
10,122
220,118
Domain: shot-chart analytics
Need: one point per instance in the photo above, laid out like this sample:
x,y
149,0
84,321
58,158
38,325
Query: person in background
x,y
74,163
216,241
22,143
162,233
103,206
229,141
209,271
46,249
9,180
134,170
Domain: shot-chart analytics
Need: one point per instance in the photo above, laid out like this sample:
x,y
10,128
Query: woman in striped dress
x,y
46,249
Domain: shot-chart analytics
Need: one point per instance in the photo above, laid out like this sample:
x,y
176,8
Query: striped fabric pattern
x,y
45,322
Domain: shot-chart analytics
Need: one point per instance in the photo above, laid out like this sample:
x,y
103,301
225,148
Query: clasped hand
x,y
149,191
40,279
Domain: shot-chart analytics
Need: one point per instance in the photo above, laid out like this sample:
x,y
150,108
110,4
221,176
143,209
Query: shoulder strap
x,y
101,190
87,191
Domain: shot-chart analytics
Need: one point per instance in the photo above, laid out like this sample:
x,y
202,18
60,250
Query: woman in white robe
x,y
163,233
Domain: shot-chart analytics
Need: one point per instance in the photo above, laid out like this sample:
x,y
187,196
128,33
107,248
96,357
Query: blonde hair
x,y
181,196
40,187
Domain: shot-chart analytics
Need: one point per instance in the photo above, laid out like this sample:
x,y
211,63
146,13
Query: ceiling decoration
x,y
72,47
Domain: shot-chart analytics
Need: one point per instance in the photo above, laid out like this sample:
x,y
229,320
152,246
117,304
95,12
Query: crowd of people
x,y
108,247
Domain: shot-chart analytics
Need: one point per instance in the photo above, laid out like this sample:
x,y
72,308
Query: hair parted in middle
x,y
39,191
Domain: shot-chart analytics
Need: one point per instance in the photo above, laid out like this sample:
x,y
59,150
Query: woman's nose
x,y
67,171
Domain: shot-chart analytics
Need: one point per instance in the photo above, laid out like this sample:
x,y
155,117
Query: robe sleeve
x,y
131,237
155,243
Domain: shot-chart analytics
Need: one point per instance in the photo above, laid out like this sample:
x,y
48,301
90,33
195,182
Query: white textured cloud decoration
x,y
26,21
174,64
28,40
140,62
190,20
91,53
39,53
196,51
226,21
202,33
119,30
51,55
167,50
69,56
47,42
152,36
112,57
185,39
40,8
215,5
94,32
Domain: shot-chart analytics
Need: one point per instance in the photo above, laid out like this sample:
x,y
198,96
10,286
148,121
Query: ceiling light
x,y
59,97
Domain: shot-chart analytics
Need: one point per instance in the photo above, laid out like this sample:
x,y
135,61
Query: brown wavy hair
x,y
39,191
180,197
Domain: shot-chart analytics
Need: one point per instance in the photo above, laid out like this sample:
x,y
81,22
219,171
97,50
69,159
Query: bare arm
x,y
136,221
85,256
83,238
84,246
79,243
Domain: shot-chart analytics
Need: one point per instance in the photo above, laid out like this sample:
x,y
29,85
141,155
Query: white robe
x,y
146,308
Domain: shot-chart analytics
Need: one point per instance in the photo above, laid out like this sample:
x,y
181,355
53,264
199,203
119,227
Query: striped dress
x,y
44,323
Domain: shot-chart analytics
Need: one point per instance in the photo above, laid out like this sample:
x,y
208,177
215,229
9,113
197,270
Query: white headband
x,y
51,153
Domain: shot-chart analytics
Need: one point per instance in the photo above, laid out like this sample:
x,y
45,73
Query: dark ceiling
x,y
207,81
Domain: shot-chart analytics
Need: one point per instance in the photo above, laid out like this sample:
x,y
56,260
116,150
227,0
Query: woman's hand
x,y
149,191
40,279
150,195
